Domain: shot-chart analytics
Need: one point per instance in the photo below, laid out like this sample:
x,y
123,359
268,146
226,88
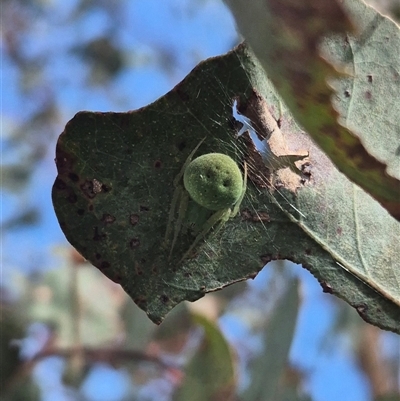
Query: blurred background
x,y
67,332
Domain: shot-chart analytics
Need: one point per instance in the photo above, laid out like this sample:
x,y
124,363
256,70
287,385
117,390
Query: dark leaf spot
x,y
144,208
87,189
326,288
64,161
181,146
97,256
255,217
60,184
246,214
73,177
91,207
368,95
107,218
105,188
157,164
308,251
134,243
80,212
266,258
141,303
105,265
361,309
164,299
134,219
347,93
369,77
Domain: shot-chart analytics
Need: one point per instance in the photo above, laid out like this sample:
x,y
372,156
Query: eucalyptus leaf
x,y
115,184
210,374
286,37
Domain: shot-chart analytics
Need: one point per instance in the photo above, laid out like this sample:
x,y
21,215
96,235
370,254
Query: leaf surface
x,y
210,374
286,37
114,189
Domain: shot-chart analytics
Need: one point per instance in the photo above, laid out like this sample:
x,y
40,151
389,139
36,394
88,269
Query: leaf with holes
x,y
115,185
286,37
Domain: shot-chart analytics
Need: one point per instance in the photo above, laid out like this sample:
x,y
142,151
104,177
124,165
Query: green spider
x,y
215,183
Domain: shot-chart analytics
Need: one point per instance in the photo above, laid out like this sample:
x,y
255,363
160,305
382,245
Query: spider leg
x,y
172,212
183,204
187,162
237,205
177,198
221,216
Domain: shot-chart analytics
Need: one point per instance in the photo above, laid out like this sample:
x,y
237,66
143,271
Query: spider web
x,y
242,125
148,149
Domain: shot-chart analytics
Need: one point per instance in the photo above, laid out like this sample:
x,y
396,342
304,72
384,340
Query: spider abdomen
x,y
214,181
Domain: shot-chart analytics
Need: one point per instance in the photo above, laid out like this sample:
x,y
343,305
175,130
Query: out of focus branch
x,y
373,363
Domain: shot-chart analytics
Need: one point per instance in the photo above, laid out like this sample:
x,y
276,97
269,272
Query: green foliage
x,y
11,328
113,199
314,216
358,32
210,375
